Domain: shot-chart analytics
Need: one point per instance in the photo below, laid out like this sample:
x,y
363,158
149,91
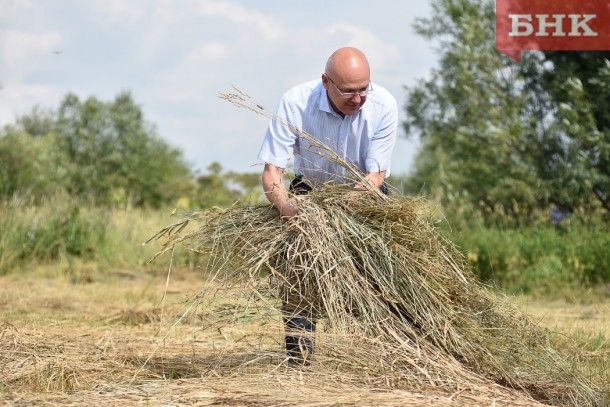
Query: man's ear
x,y
325,81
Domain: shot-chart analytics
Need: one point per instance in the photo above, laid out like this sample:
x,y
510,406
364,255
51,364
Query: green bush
x,y
56,228
66,233
539,259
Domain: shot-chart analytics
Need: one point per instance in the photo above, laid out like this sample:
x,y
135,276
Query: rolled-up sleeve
x,y
379,157
278,144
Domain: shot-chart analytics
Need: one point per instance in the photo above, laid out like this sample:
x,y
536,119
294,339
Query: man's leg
x,y
299,324
299,338
300,329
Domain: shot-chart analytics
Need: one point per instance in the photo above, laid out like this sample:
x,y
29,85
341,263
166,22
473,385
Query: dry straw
x,y
397,304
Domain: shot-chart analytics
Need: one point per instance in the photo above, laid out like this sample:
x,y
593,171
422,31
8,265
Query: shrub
x,y
541,258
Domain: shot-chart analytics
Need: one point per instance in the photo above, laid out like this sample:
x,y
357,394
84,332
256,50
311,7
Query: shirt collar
x,y
324,102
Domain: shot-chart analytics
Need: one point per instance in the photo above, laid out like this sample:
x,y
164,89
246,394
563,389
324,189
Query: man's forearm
x,y
276,194
274,188
275,191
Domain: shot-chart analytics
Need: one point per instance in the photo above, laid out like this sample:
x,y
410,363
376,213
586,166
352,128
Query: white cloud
x,y
378,50
254,22
176,55
11,8
186,82
16,47
166,13
165,18
23,98
313,45
214,52
119,11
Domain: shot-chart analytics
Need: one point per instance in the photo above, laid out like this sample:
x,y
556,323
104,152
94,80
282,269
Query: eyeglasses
x,y
348,95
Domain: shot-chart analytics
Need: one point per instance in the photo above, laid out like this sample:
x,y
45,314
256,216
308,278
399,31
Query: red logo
x,y
568,25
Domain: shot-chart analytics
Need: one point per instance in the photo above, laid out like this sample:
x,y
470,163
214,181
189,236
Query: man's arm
x,y
383,141
275,191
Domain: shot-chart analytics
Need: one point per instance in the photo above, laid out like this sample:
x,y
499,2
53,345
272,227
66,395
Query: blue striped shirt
x,y
364,140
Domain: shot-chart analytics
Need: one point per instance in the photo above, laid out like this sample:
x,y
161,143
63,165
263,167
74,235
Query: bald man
x,y
355,118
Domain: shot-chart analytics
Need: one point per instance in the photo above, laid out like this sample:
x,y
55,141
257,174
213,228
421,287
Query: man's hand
x,y
372,181
288,208
375,179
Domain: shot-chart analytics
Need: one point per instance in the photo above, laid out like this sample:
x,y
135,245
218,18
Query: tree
x,y
508,140
249,185
39,122
470,118
577,90
115,156
213,189
107,153
28,164
29,158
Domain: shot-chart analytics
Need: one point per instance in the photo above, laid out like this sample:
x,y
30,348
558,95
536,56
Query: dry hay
x,y
398,305
59,366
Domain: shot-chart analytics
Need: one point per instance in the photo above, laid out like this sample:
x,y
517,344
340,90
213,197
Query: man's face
x,y
344,93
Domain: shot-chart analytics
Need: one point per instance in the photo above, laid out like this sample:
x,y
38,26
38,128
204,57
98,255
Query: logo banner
x,y
559,25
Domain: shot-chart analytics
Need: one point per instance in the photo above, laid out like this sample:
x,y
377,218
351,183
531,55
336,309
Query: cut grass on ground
x,y
112,340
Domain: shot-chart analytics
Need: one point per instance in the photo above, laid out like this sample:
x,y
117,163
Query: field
x,y
85,320
112,338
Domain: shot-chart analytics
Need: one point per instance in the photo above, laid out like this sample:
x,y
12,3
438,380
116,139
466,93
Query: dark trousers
x,y
300,329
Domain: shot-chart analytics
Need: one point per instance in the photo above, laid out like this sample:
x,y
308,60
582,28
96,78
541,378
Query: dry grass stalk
x,y
229,353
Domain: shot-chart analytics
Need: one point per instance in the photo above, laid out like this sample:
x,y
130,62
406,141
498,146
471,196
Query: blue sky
x,y
176,56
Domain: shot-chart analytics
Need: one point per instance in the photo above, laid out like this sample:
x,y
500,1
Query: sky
x,y
177,56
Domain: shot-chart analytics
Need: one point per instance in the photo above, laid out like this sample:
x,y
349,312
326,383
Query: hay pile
x,y
398,305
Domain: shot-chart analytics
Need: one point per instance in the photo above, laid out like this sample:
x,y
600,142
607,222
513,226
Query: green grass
x,y
76,238
540,260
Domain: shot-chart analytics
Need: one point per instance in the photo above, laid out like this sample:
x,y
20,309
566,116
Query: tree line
x,y
108,154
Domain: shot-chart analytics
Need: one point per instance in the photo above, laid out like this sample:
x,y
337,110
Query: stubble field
x,y
129,338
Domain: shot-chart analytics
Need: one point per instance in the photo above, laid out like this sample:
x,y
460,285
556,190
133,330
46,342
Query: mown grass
x,y
586,325
97,335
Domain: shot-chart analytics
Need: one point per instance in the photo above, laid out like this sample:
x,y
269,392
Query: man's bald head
x,y
348,64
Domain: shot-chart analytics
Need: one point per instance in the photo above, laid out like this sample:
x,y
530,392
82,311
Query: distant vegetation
x,y
107,154
92,180
543,261
506,142
516,156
